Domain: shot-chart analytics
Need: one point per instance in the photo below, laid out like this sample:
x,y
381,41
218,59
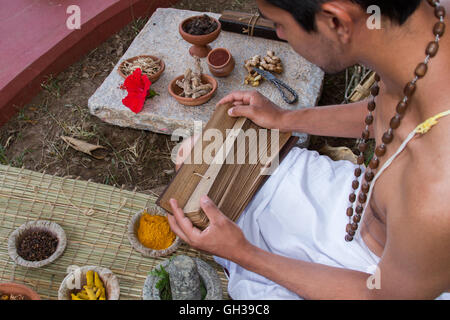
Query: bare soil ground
x,y
135,159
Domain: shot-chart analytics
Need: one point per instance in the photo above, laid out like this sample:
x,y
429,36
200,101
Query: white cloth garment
x,y
300,213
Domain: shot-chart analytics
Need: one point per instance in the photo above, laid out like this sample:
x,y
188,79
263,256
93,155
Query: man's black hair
x,y
304,11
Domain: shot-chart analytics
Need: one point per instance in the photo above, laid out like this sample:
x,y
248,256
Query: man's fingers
x,y
241,111
175,228
183,222
243,96
212,212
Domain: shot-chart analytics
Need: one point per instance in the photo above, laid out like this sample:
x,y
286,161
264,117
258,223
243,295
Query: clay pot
x,y
220,62
200,43
152,78
138,246
175,91
16,237
15,288
109,279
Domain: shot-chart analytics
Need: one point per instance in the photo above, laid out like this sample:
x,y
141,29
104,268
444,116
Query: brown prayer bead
x,y
358,172
380,150
352,198
362,147
410,89
355,184
395,121
357,218
351,233
369,175
359,209
371,106
360,159
369,119
366,134
439,11
348,238
354,226
365,187
388,136
374,163
375,90
362,198
377,77
402,107
350,212
421,70
432,49
439,29
349,228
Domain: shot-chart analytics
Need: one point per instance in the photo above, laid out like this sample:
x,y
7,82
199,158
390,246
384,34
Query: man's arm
x,y
338,121
405,266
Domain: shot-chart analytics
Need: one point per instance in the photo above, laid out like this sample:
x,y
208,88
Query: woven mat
x,y
95,218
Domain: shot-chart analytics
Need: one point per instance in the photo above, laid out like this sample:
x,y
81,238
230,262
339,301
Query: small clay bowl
x,y
16,288
16,237
200,43
133,227
220,62
175,91
71,284
152,78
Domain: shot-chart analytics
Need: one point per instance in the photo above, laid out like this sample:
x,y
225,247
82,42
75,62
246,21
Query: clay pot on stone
x,y
77,277
133,227
200,43
17,236
175,91
220,62
152,78
16,289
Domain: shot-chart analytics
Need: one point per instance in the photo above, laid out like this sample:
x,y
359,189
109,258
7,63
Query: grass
x,y
3,158
138,24
52,85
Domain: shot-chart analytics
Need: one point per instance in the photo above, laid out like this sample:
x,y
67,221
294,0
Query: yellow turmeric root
x,y
98,282
90,278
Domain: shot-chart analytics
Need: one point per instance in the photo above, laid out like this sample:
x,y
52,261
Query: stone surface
x,y
163,114
184,279
207,273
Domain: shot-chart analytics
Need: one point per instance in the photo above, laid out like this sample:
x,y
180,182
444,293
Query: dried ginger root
x,y
192,82
270,63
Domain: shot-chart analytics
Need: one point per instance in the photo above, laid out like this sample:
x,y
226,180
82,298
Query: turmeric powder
x,y
154,232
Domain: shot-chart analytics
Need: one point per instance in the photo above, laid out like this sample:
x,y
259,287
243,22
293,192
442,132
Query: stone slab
x,y
163,114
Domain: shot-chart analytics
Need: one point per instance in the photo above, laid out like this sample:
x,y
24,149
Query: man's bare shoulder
x,y
427,176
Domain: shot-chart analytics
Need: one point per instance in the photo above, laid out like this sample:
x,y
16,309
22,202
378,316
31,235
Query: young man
x,y
290,242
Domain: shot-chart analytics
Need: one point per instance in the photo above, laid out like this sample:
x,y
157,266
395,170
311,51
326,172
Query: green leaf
x,y
152,93
163,285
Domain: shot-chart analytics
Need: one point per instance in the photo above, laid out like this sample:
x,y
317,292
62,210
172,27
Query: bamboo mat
x,y
95,218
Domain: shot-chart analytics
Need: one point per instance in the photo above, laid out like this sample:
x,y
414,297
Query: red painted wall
x,y
35,41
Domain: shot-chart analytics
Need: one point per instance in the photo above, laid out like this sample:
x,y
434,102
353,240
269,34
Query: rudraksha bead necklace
x,y
355,214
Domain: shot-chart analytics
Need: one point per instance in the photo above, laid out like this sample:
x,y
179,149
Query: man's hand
x,y
222,237
256,107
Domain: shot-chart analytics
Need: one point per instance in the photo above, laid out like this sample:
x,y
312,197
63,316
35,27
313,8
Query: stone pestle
x,y
185,282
